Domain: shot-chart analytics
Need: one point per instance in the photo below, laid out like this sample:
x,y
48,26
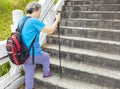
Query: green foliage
x,y
22,72
4,68
55,1
6,7
1,71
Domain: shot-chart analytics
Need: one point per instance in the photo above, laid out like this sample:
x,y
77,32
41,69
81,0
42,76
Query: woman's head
x,y
33,7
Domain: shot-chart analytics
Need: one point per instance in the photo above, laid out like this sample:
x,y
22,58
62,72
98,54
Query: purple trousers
x,y
29,68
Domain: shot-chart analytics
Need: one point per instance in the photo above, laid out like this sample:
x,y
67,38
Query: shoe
x,y
47,75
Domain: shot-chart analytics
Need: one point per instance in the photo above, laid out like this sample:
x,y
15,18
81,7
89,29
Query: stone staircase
x,y
90,47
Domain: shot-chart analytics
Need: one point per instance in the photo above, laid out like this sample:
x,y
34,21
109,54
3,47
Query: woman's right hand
x,y
58,16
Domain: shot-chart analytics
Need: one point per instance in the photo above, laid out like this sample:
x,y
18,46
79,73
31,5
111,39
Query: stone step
x,y
96,7
81,71
91,23
110,15
35,86
90,2
95,33
55,82
87,56
112,47
84,72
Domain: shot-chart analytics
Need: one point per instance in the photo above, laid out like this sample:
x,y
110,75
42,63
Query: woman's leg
x,y
45,61
29,74
29,68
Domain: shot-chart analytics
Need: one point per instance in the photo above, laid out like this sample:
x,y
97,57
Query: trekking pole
x,y
59,50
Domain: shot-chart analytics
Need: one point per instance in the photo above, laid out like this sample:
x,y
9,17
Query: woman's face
x,y
37,13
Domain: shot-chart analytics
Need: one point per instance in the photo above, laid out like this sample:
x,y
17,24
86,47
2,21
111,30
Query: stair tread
x,y
84,19
99,12
87,39
94,5
86,28
79,0
90,2
87,5
67,83
87,68
84,51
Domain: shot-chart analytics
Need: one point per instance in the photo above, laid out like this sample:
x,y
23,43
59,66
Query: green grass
x,y
4,68
55,1
6,7
22,72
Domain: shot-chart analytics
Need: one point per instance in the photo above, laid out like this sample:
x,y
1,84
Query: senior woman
x,y
32,27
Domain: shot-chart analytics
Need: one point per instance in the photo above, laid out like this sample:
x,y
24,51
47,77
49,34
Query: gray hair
x,y
32,6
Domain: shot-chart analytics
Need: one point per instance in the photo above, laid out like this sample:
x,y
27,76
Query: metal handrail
x,y
3,57
47,11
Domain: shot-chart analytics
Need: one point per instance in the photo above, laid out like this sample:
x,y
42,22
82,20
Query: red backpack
x,y
16,49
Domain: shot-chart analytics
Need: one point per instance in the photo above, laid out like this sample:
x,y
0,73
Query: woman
x,y
32,27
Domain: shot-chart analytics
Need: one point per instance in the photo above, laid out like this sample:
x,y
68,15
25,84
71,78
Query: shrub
x,y
4,68
55,1
1,71
22,72
6,7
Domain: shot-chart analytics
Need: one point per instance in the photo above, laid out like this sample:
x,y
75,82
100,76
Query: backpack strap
x,y
19,29
33,55
32,42
33,48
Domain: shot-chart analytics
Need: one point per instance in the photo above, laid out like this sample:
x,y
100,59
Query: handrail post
x,y
16,16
